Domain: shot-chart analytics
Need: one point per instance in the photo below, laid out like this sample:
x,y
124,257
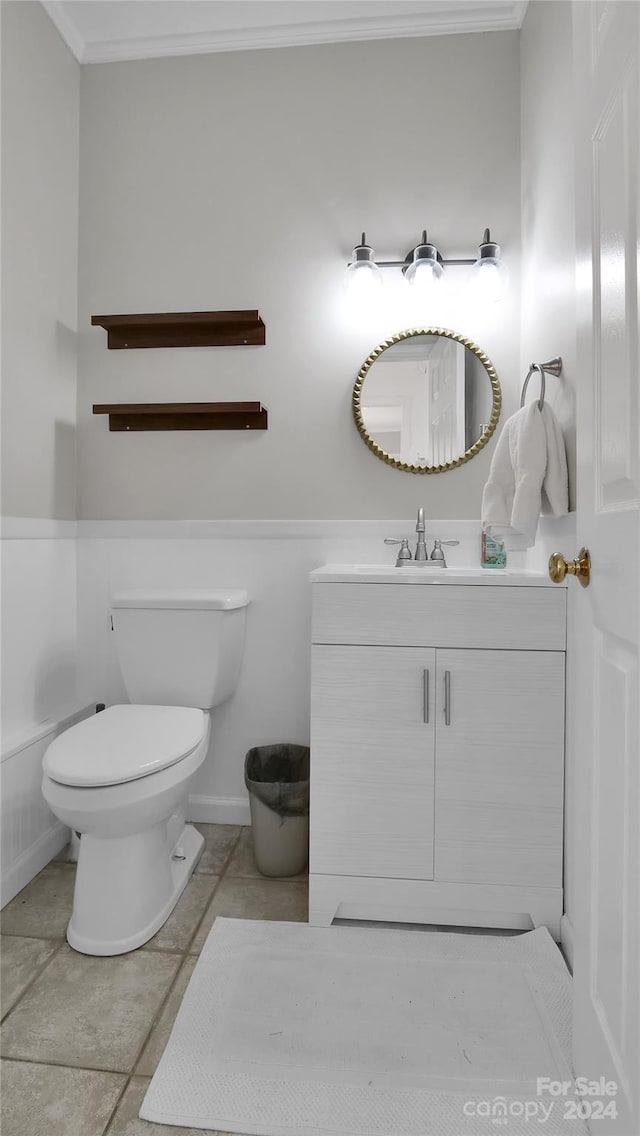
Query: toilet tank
x,y
182,647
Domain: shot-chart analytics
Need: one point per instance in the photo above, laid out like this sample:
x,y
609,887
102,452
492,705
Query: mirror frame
x,y
477,445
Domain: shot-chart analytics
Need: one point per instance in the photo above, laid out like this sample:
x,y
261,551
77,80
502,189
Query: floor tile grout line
x,y
200,921
41,969
154,950
116,1106
85,1069
184,955
181,956
299,879
62,1065
225,866
32,935
158,1013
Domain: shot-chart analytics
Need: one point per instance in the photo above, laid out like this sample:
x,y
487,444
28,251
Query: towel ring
x,y
553,367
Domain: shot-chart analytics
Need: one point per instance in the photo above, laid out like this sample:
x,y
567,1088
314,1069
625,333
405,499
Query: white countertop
x,y
430,574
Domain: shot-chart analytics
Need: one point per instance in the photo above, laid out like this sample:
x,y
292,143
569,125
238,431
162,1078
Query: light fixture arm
x,y
486,249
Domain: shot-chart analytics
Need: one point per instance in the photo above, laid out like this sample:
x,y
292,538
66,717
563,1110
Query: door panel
x,y
604,643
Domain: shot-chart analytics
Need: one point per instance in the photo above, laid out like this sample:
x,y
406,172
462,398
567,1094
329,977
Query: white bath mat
x,y
290,1030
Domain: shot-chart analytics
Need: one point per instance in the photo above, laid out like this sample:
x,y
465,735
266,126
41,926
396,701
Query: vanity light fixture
x,y
423,268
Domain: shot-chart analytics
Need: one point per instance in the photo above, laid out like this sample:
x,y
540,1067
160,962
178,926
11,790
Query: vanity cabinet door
x,y
499,767
372,761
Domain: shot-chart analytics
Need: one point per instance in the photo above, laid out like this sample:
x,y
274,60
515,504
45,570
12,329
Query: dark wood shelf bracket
x,y
184,415
182,329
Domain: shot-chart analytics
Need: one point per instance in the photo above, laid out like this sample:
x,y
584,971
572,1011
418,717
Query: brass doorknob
x,y
580,568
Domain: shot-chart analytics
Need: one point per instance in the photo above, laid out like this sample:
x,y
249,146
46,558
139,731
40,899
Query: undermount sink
x,y
428,572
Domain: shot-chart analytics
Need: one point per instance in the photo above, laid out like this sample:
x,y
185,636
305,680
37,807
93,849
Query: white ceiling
x,y
99,31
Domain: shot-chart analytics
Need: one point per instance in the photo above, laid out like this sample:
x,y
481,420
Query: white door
x,y
605,637
446,407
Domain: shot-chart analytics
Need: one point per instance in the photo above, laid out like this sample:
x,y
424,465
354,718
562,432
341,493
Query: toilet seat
x,y
124,743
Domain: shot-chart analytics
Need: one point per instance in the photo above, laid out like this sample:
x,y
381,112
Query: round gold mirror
x,y
426,400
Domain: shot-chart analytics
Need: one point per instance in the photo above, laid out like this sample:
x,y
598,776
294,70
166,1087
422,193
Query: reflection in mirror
x,y
426,400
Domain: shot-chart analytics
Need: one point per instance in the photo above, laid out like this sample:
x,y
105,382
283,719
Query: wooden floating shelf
x,y
184,415
182,329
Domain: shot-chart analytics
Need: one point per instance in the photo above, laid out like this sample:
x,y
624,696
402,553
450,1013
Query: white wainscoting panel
x,y
30,833
39,689
38,630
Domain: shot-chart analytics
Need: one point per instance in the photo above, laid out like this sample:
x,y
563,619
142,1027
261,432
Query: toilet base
x,y
127,887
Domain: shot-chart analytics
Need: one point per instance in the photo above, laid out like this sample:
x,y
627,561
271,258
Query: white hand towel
x,y
511,499
555,487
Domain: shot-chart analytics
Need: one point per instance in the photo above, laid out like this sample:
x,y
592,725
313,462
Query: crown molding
x,y
66,27
491,15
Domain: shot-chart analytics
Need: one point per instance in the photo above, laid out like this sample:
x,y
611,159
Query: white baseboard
x,y
219,810
23,870
566,940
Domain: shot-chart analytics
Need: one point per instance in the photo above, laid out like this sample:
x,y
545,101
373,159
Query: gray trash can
x,y
277,777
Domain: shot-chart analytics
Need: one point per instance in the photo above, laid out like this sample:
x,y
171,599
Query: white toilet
x,y
121,778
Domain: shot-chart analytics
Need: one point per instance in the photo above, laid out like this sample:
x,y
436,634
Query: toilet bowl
x,y
136,852
121,777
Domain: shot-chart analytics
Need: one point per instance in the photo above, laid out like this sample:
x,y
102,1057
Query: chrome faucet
x,y
437,558
421,548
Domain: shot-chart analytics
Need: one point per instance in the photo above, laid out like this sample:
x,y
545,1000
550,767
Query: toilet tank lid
x,y
195,599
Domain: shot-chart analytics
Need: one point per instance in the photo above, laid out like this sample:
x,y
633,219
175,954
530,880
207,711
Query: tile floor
x,y
82,1036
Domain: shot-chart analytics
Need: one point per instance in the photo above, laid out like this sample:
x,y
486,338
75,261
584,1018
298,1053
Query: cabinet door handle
x,y
425,695
447,698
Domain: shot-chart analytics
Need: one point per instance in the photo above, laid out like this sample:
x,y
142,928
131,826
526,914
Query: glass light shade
x,y
424,274
489,277
363,278
425,269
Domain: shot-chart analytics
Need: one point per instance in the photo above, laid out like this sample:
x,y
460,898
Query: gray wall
x,y
40,142
204,182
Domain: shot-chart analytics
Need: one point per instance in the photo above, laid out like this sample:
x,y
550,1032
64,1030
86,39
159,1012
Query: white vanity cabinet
x,y
437,750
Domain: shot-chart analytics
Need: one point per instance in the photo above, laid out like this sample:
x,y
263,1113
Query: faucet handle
x,y
437,553
405,552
